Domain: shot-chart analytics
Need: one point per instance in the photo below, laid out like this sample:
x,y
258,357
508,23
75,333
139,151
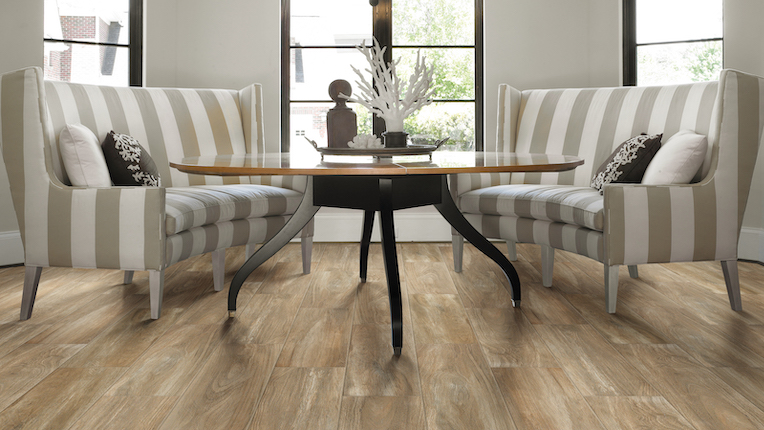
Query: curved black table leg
x,y
391,262
451,213
368,224
297,221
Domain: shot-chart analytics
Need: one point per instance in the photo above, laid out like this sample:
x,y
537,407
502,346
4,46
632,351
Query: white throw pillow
x,y
83,158
678,160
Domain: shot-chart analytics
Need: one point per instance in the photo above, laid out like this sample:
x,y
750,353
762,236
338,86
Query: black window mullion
x,y
479,76
136,43
629,42
285,79
382,30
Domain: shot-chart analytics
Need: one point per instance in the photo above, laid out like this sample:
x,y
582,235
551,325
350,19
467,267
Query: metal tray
x,y
380,152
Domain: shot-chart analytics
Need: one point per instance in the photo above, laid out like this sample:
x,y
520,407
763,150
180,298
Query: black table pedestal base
x,y
383,194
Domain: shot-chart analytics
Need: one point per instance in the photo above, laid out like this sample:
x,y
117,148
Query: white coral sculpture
x,y
366,141
392,99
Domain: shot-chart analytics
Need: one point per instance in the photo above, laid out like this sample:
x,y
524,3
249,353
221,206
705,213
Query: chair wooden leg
x,y
633,272
729,267
547,265
512,250
306,245
128,277
249,249
156,292
31,280
218,268
457,245
611,287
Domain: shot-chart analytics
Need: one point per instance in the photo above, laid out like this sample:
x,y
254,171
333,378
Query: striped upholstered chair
x,y
631,224
137,228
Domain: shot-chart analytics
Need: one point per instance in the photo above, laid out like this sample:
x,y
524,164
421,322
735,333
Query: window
x,y
319,45
93,41
672,41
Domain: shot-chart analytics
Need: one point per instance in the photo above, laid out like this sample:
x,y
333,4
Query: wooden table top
x,y
311,164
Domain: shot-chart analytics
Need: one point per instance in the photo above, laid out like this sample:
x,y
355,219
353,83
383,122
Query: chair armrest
x,y
108,228
668,223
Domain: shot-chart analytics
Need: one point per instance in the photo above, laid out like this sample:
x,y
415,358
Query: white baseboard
x,y
411,225
11,249
751,244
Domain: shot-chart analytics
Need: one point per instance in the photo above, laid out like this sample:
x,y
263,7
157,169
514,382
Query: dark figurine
x,y
340,120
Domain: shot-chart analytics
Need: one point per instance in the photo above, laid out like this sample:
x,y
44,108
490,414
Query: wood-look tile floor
x,y
313,351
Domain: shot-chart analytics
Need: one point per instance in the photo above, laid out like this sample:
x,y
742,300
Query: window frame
x,y
630,45
134,45
382,30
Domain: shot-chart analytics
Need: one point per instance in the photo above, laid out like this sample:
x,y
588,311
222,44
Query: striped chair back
x,y
169,123
591,123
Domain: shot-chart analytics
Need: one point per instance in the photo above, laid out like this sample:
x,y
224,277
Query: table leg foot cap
x,y
397,350
515,303
231,314
363,280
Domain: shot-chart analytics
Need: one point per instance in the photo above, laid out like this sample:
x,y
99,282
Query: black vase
x,y
395,139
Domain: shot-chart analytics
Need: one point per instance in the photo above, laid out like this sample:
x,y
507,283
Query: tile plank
x,y
319,338
508,339
134,413
300,398
227,388
60,399
121,344
170,364
458,389
633,413
27,365
381,413
265,319
578,347
373,370
544,398
440,318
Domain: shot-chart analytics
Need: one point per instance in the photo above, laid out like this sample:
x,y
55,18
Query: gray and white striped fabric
x,y
641,224
189,207
589,123
581,240
581,206
126,227
702,221
199,240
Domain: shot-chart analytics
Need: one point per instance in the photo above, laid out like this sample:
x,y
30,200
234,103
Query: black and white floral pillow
x,y
128,162
628,162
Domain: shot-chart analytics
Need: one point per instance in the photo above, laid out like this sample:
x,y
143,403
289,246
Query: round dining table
x,y
375,184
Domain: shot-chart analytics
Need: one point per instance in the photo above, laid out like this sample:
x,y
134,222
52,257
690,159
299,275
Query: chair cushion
x,y
582,206
196,206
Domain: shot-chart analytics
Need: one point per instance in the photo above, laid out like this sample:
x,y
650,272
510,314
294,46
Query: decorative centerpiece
x,y
341,122
365,141
390,97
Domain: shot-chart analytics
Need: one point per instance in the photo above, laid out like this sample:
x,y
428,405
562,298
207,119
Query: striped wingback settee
x,y
631,224
137,228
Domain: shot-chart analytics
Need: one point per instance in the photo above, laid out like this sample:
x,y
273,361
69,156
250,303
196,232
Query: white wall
x,y
549,44
529,44
217,44
20,46
744,50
